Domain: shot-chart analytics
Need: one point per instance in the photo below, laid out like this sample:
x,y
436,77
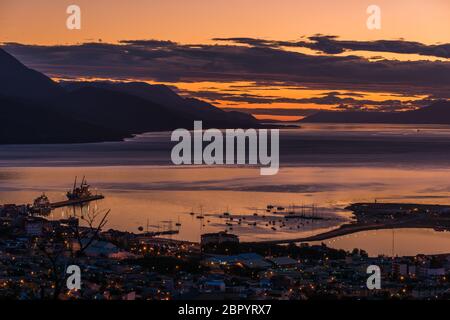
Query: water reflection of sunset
x,y
140,194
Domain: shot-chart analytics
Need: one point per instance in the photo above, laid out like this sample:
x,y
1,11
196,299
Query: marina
x,y
381,216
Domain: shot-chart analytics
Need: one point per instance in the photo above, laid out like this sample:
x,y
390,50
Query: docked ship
x,y
79,194
82,192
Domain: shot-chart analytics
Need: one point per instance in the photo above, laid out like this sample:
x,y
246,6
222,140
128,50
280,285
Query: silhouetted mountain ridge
x,y
119,111
16,80
162,95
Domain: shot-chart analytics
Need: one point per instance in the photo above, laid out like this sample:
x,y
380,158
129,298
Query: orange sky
x,y
198,21
43,22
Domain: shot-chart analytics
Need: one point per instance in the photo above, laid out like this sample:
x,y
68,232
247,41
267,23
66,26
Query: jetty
x,y
74,202
79,194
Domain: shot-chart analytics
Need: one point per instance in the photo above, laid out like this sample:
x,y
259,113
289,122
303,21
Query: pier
x,y
74,202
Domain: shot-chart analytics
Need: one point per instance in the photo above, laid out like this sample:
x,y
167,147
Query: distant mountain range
x,y
35,109
437,113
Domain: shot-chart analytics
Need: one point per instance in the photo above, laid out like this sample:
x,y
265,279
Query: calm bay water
x,y
329,166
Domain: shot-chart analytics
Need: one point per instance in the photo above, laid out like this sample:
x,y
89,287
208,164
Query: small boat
x,y
201,216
